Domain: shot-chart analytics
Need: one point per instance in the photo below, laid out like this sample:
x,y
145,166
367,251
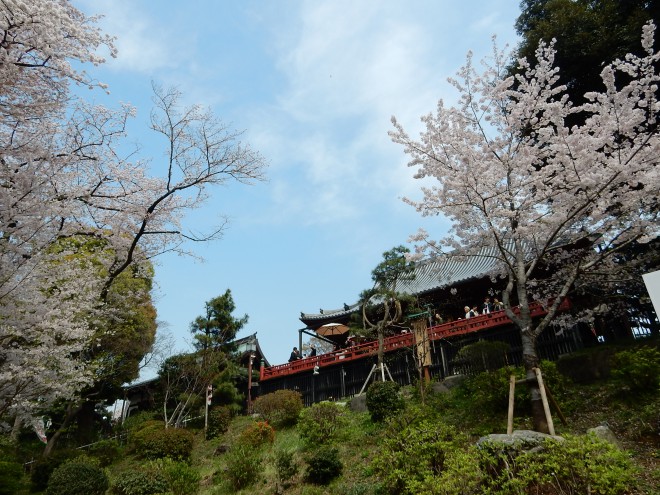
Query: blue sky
x,y
314,85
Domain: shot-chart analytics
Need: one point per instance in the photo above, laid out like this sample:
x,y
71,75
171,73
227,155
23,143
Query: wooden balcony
x,y
361,351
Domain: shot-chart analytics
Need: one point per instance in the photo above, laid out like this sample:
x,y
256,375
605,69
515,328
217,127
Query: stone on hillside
x,y
604,433
448,383
522,440
359,403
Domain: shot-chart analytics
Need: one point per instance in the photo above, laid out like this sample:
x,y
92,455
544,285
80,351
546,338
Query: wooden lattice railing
x,y
360,351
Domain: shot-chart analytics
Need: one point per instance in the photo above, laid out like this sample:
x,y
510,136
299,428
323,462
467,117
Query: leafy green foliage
x,y
280,408
320,423
139,482
219,420
182,479
637,370
243,466
285,465
218,327
257,434
175,443
323,465
106,451
484,355
383,400
44,466
412,453
578,465
77,476
11,476
589,35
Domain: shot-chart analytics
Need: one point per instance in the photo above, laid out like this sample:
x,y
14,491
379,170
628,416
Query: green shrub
x,y
175,443
80,475
139,482
285,465
106,451
489,391
43,467
257,434
319,423
383,400
11,477
578,465
181,478
428,443
323,466
243,466
280,408
637,370
138,421
137,435
219,420
484,355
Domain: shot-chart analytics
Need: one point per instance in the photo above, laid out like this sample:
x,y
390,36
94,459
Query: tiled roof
x,y
429,275
328,313
445,272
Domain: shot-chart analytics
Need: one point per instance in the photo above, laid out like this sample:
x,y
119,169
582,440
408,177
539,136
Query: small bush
x,y
257,434
285,465
138,421
323,466
428,443
11,476
319,424
44,466
175,443
243,466
77,476
280,408
139,482
219,420
637,370
383,400
141,431
181,478
578,465
484,355
106,451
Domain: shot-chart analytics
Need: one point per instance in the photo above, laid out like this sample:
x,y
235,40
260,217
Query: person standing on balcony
x,y
295,355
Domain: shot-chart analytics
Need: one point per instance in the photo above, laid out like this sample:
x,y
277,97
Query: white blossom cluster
x,y
541,194
62,177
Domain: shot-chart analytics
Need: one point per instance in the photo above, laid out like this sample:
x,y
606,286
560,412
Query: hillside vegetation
x,y
411,441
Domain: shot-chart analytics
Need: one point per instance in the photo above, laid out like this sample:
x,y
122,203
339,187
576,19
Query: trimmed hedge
x,y
77,476
175,443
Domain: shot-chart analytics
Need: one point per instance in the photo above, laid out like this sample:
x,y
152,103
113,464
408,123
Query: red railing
x,y
360,351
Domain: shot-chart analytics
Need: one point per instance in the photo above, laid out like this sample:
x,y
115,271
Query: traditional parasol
x,y
332,330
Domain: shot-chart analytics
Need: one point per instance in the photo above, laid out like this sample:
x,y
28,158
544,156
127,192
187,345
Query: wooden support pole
x,y
544,399
512,394
556,406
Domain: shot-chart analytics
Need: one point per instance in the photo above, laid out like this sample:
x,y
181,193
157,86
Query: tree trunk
x,y
381,345
71,411
531,361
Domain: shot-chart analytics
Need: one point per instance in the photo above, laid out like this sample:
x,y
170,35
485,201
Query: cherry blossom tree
x,y
552,205
63,175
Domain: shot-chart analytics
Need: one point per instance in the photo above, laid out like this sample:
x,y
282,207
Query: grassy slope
x,y
636,422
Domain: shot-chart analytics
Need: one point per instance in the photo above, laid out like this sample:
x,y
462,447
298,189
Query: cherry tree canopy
x,y
62,176
552,204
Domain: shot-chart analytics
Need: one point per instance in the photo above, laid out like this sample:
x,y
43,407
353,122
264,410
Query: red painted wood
x,y
360,351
